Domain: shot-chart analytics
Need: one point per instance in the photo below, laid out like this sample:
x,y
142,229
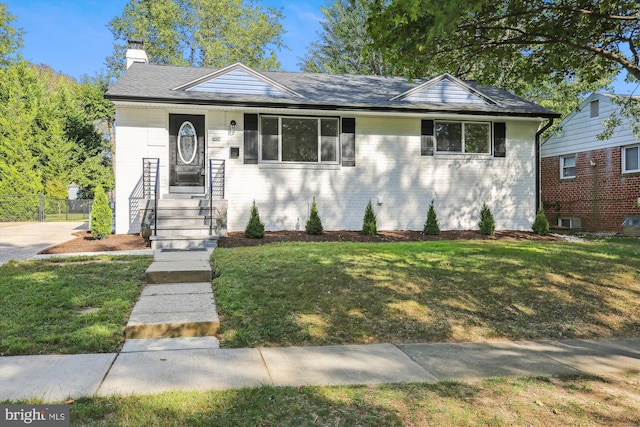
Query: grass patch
x,y
68,305
337,293
570,400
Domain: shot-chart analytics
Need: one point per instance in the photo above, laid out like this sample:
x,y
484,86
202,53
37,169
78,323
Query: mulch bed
x,y
84,242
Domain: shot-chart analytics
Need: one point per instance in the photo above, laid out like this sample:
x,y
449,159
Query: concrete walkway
x,y
23,240
196,364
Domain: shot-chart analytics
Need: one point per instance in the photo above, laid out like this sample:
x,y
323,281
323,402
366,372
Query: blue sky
x,y
71,35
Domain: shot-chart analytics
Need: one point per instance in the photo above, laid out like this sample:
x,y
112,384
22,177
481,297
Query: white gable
x,y
445,89
579,130
238,79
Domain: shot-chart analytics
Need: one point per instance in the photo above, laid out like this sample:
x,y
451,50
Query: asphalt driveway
x,y
23,240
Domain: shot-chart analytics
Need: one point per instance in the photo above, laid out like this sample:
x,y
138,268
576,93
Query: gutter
x,y
538,134
327,107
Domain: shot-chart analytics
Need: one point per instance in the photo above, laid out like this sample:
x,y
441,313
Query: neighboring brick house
x,y
587,183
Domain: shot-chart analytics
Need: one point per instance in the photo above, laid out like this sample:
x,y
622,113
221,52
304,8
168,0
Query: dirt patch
x,y
84,241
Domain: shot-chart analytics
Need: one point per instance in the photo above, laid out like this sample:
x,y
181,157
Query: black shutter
x,y
251,139
499,140
348,140
426,139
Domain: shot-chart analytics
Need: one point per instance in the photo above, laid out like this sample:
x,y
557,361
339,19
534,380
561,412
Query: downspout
x,y
538,135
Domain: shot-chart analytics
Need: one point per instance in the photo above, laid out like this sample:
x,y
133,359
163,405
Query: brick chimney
x,y
136,53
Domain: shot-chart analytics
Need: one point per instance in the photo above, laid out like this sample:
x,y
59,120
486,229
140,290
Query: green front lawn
x,y
338,293
574,400
68,305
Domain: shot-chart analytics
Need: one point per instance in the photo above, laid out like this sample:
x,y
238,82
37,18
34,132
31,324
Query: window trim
x,y
623,159
563,167
491,135
318,119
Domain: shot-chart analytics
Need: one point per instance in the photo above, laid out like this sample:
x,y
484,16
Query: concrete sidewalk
x,y
197,364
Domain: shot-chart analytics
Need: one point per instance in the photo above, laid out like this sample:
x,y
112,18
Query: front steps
x,y
177,301
184,222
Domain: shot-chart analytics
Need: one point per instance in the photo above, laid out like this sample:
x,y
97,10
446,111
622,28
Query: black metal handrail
x,y
216,186
151,185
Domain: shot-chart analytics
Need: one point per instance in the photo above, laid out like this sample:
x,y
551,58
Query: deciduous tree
x,y
557,38
210,33
551,52
10,37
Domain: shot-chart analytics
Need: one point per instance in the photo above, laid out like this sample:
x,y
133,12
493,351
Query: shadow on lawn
x,y
426,292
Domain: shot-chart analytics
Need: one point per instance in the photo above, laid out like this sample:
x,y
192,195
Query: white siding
x,y
445,91
240,82
388,166
139,133
578,130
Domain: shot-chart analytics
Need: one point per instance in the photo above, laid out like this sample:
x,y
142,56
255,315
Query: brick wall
x,y
600,195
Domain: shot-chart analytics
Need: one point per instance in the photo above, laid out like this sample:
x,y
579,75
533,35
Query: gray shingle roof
x,y
157,83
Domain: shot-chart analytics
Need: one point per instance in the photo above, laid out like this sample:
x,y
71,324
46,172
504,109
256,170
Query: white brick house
x,y
286,138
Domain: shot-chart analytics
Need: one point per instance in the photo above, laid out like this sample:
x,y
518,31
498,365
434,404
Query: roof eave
x,y
331,107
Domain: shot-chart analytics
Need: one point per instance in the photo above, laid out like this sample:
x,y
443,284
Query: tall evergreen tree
x,y
46,138
19,169
343,45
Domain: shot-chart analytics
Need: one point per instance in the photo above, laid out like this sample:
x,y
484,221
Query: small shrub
x,y
541,224
255,227
369,226
431,225
101,215
487,224
314,224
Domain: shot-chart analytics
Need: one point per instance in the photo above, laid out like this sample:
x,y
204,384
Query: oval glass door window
x,y
187,143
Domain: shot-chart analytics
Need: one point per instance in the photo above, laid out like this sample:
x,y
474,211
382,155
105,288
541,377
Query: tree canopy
x,y
343,45
10,36
559,39
552,52
208,33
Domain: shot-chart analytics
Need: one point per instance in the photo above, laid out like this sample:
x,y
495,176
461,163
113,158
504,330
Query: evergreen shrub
x,y
487,224
101,215
255,227
369,225
541,224
431,225
314,224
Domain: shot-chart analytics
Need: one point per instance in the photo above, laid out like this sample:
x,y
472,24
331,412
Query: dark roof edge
x,y
329,107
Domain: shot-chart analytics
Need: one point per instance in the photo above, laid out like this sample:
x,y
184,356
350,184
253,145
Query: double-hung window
x,y
568,166
299,139
631,159
463,137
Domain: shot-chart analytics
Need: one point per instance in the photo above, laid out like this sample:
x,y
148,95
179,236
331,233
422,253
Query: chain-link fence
x,y
36,207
